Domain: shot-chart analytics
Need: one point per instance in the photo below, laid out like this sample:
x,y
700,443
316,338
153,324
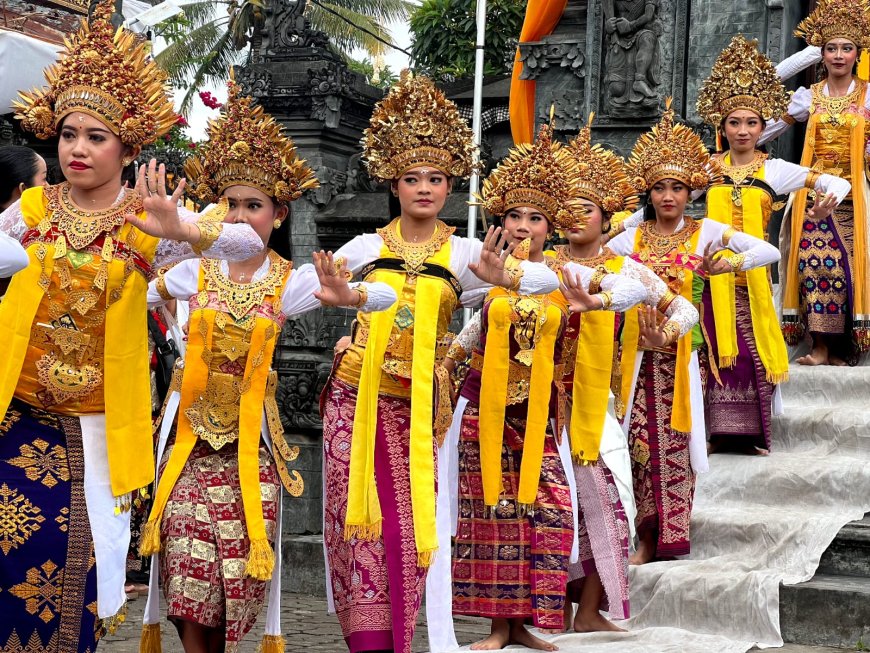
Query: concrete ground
x,y
307,627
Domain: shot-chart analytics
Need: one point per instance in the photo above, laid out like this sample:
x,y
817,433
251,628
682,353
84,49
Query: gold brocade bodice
x,y
63,366
836,116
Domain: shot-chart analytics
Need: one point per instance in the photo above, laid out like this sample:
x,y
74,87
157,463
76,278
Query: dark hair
x,y
393,205
18,165
279,240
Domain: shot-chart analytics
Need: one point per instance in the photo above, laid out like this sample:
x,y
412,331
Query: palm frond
x,y
213,68
181,58
343,35
384,11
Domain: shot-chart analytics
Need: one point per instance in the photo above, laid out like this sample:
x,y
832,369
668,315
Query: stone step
x,y
818,386
826,611
823,429
849,553
303,569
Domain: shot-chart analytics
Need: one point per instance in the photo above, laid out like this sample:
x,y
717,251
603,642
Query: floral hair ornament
x,y
247,147
417,125
105,73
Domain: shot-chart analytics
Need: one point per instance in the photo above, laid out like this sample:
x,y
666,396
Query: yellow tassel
x,y
271,644
261,560
727,361
149,544
150,642
776,379
426,558
365,532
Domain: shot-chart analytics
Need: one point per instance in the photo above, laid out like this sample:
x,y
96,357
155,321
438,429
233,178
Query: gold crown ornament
x,y
742,78
247,147
603,177
837,19
107,74
543,174
416,125
672,151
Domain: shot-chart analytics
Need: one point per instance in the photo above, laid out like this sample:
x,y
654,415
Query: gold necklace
x,y
414,254
82,227
663,244
739,174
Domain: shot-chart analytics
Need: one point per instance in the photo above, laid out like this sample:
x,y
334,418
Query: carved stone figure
x,y
633,59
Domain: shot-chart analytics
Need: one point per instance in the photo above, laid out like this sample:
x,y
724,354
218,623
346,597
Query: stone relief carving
x,y
298,391
632,58
569,111
326,86
537,57
255,82
332,183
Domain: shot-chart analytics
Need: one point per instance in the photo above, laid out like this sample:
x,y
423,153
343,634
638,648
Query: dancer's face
x,y
528,222
839,57
422,192
252,206
592,232
90,154
742,130
669,198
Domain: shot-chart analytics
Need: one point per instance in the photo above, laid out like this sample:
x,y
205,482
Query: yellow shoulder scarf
x,y
364,518
593,371
253,396
681,414
721,207
126,373
494,382
860,284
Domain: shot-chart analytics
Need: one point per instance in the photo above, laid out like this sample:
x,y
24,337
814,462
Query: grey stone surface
x,y
827,611
849,553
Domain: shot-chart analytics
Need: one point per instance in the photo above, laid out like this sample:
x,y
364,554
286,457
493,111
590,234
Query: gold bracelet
x,y
160,285
812,179
209,231
671,331
665,301
736,261
606,298
457,352
595,281
363,296
727,235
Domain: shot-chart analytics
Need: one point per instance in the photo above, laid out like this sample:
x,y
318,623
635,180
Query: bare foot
x,y
811,360
818,355
837,362
521,636
643,555
761,452
594,623
498,638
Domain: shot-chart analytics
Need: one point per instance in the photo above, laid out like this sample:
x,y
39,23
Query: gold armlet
x,y
812,179
160,285
671,331
788,120
340,262
606,298
727,235
597,277
665,301
209,231
736,261
457,352
363,296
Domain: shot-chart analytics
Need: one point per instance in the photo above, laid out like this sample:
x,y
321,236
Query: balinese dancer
x,y
226,451
661,383
825,278
516,520
379,508
602,465
75,375
747,352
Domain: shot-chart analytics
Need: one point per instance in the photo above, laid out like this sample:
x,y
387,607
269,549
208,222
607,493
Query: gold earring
x,y
125,162
277,223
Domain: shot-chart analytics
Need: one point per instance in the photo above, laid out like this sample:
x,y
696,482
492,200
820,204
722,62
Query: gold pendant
x,y
64,381
525,356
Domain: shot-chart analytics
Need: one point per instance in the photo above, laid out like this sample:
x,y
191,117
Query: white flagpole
x,y
474,182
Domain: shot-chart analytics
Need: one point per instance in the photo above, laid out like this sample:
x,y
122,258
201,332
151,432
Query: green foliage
x,y
366,68
444,34
373,16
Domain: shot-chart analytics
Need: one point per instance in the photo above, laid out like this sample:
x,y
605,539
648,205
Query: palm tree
x,y
207,39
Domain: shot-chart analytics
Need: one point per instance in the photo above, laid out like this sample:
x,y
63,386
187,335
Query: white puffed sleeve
x,y
359,252
298,296
624,291
537,278
180,282
680,311
801,60
756,252
785,177
798,109
623,244
12,256
236,242
12,221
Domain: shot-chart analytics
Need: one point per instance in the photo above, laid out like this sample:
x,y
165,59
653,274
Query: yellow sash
x,y
493,386
681,413
364,518
126,373
860,284
593,372
196,374
765,323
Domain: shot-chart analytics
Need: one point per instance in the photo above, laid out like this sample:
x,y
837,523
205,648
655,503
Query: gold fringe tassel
x,y
261,560
149,544
150,642
727,361
271,644
426,558
776,379
365,532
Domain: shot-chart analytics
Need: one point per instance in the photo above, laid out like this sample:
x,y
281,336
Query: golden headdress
x,y
542,174
742,78
417,125
672,151
246,146
107,74
603,177
837,19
